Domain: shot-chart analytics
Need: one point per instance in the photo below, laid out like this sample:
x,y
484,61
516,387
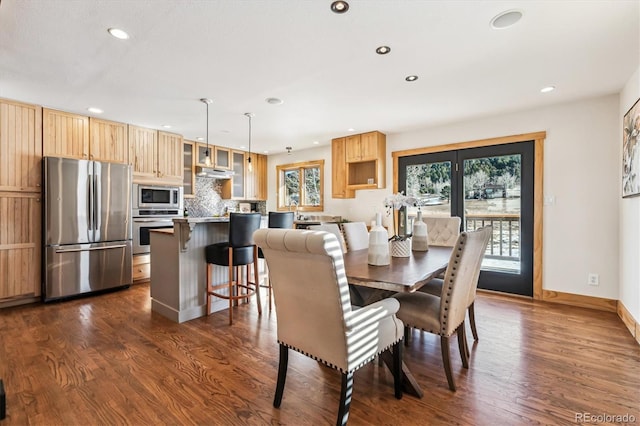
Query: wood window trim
x,y
538,196
280,169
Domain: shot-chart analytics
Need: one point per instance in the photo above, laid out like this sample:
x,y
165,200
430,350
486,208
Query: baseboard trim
x,y
632,325
599,303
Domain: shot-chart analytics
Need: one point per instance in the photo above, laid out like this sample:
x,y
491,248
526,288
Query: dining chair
x,y
239,250
444,315
314,313
334,229
356,235
281,220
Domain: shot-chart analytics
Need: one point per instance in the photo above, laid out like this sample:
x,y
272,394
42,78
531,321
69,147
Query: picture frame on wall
x,y
631,151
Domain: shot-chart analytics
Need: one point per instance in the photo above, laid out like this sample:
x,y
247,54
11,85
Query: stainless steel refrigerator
x,y
87,227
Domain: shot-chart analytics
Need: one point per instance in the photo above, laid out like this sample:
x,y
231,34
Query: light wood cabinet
x,y
65,134
141,267
366,161
170,157
20,147
156,157
188,169
339,170
256,180
222,157
20,246
201,155
234,188
108,141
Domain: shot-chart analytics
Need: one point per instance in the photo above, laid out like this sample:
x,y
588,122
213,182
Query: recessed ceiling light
x,y
351,130
316,142
199,138
411,77
506,19
242,147
274,101
383,50
166,126
118,33
266,152
548,89
95,110
339,6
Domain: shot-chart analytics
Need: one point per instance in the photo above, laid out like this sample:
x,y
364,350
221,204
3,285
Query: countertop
x,y
163,230
211,219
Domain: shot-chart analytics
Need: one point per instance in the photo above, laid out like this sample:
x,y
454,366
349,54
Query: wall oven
x,y
153,207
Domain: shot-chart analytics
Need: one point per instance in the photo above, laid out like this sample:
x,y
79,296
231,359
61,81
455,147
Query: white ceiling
x,y
57,53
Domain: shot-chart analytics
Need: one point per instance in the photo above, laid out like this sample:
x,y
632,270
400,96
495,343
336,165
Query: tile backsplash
x,y
208,202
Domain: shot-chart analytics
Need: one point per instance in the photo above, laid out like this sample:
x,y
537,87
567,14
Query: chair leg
x,y
398,349
256,279
209,266
282,375
462,345
230,286
444,347
407,335
472,321
345,398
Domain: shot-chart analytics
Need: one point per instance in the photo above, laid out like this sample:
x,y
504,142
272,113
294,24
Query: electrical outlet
x,y
593,279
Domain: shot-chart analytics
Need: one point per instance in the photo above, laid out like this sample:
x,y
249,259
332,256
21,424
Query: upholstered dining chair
x,y
239,250
356,235
444,315
335,230
314,313
281,220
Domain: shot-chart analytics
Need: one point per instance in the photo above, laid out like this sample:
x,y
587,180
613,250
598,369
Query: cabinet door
x,y
222,157
260,177
188,172
369,144
339,170
143,151
170,157
201,155
238,179
20,242
108,141
64,134
352,148
20,147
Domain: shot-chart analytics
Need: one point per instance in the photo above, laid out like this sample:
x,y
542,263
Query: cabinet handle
x,y
37,184
37,200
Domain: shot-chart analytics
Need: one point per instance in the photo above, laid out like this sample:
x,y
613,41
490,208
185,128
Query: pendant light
x,y
207,153
249,165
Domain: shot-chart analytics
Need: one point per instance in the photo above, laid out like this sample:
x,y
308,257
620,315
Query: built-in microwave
x,y
151,197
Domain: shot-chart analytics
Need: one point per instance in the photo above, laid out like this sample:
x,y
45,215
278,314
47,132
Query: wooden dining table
x,y
370,283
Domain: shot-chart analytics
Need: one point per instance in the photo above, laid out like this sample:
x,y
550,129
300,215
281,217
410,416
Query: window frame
x,y
300,167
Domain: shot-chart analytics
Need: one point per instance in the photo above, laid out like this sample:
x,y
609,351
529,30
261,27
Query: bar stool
x,y
240,250
276,220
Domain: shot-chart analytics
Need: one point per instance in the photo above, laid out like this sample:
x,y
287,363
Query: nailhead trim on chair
x,y
335,367
452,274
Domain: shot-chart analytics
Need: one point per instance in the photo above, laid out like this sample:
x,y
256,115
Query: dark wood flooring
x,y
109,360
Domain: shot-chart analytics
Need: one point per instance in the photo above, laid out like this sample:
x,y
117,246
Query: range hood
x,y
211,172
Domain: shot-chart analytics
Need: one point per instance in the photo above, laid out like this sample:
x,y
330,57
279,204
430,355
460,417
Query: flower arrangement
x,y
396,202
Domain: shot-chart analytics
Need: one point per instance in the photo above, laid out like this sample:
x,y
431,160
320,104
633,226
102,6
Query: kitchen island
x,y
179,268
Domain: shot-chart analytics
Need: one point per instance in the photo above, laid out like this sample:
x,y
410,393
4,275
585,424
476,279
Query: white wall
x,y
582,171
629,217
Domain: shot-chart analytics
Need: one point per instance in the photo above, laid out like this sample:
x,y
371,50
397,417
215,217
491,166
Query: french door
x,y
490,185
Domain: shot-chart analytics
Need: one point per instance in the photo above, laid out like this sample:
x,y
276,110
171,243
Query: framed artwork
x,y
631,151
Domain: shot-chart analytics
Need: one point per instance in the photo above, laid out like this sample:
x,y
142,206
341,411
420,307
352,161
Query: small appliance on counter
x,y
244,207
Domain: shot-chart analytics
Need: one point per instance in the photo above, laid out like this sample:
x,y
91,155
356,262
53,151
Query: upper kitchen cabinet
x,y
156,157
234,188
256,180
65,134
108,141
222,157
20,147
170,157
339,170
188,172
365,156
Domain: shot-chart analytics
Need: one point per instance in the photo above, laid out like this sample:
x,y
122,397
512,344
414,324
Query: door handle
x,y
90,249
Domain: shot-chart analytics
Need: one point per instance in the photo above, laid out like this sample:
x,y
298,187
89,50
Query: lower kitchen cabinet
x,y
20,247
141,267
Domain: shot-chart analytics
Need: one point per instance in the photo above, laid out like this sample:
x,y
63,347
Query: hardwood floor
x,y
110,360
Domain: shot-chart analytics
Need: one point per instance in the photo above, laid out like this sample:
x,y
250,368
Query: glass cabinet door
x,y
188,176
222,157
238,176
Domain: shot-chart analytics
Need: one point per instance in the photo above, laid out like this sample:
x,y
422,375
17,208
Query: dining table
x,y
369,283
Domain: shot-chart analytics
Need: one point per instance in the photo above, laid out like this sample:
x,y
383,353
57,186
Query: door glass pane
x,y
312,186
430,185
291,187
492,197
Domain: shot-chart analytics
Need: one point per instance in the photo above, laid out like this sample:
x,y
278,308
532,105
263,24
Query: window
x,y
300,186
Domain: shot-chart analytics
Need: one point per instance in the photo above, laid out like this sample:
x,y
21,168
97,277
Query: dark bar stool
x,y
238,251
277,220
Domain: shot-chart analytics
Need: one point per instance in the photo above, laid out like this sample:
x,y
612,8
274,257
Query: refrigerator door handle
x,y
90,248
90,202
96,206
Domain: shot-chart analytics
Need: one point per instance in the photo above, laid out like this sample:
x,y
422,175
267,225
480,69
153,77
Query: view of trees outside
x,y
311,190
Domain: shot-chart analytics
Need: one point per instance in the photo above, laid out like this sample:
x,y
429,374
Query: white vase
x,y
378,254
419,234
401,248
